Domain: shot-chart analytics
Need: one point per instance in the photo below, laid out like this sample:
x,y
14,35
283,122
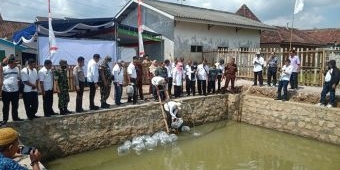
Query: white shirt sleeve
x,y
24,75
129,69
94,72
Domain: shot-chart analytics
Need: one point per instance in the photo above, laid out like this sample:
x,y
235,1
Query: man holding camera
x,y
286,72
9,146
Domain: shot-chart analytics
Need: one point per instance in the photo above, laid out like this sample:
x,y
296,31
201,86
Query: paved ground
x,y
22,113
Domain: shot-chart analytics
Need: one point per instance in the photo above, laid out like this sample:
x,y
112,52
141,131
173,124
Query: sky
x,y
316,13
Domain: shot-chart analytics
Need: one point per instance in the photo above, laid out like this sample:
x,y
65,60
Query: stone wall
x,y
65,135
296,118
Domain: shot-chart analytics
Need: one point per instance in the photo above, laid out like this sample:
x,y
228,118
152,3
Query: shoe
x,y
319,104
62,112
2,123
67,111
94,108
80,110
105,106
35,117
18,119
277,98
329,106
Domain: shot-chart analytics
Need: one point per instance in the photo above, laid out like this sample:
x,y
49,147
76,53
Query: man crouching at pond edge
x,y
174,120
286,72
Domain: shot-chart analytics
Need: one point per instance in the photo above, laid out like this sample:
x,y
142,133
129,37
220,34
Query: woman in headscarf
x,y
178,77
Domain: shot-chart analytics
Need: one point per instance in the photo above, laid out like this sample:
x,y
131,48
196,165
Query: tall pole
x,y
291,34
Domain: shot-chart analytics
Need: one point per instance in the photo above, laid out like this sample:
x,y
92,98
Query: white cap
x,y
258,53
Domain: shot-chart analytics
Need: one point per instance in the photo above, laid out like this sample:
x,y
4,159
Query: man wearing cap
x,y
118,74
60,75
105,81
132,79
92,79
258,66
79,83
9,146
46,85
10,89
29,77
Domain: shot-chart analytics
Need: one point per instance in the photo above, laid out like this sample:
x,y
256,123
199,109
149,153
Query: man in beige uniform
x,y
79,83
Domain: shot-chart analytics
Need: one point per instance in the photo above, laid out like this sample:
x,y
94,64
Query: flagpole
x,y
49,17
140,30
291,34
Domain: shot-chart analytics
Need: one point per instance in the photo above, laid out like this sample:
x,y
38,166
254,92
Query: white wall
x,y
187,34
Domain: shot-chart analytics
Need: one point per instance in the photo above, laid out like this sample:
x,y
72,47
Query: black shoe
x,y
94,108
80,110
129,101
67,111
277,99
3,123
35,117
62,112
18,119
53,113
105,106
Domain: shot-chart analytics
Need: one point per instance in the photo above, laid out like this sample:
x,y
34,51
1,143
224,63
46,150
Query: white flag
x,y
140,30
51,38
298,6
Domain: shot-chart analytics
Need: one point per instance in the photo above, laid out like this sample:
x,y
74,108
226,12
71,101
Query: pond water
x,y
224,145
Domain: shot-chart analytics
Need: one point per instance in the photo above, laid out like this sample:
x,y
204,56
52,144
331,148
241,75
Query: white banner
x,y
71,49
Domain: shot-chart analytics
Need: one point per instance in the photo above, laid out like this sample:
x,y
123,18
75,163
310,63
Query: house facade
x,y
187,31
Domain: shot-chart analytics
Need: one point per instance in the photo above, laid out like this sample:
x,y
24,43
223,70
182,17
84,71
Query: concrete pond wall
x,y
66,135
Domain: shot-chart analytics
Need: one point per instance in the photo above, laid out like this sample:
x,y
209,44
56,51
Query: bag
x,y
22,84
129,90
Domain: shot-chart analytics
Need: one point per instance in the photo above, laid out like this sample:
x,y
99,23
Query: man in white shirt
x,y
118,74
92,79
295,62
332,77
10,89
188,72
29,77
46,86
169,67
258,66
174,120
220,72
202,75
132,79
286,72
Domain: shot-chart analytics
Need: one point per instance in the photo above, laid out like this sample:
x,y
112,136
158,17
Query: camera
x,y
26,150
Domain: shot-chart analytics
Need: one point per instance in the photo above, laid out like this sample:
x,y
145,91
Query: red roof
x,y
282,35
328,35
246,12
7,28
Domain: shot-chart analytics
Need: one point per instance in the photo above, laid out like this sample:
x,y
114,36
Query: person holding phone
x,y
9,146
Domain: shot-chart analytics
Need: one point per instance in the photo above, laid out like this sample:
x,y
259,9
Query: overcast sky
x,y
316,13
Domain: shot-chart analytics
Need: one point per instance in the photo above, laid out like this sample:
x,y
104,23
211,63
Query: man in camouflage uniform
x,y
60,75
105,81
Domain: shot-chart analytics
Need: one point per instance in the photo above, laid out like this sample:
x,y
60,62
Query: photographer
x,y
286,72
9,146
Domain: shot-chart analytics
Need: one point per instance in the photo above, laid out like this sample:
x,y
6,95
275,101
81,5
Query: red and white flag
x,y
140,30
298,6
51,38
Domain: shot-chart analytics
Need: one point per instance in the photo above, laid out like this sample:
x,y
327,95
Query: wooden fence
x,y
313,62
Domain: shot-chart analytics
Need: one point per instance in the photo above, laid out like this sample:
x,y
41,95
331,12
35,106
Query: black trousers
x,y
258,74
193,87
187,85
48,103
7,99
271,74
79,98
294,80
178,91
219,80
169,85
92,93
31,103
211,86
202,87
134,97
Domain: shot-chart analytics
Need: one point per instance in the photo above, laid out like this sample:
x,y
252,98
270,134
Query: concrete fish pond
x,y
225,145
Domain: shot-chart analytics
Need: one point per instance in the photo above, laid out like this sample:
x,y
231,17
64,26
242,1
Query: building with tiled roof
x,y
246,12
7,28
329,36
283,36
187,31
